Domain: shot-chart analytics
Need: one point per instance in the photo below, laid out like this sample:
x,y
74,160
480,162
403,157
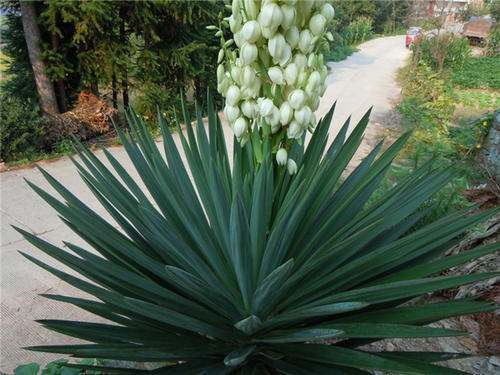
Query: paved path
x,y
364,79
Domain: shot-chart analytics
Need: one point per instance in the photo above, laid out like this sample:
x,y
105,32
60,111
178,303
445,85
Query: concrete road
x,y
364,79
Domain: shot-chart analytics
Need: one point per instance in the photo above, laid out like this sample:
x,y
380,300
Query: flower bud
x,y
276,75
223,86
302,78
231,113
249,109
240,127
220,73
329,36
247,76
281,157
238,39
328,11
276,45
220,57
291,72
292,36
305,41
250,31
251,8
270,16
297,98
266,107
236,73
314,103
291,166
234,24
294,130
311,60
288,16
317,24
314,79
303,116
286,113
233,95
248,53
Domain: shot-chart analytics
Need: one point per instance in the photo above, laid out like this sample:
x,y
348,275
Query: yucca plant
x,y
232,265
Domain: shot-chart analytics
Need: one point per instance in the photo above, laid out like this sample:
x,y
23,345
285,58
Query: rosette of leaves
x,y
221,267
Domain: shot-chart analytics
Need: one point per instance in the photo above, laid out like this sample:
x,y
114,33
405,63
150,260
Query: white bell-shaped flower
x,y
291,165
281,157
288,16
248,53
297,99
286,113
294,130
275,45
250,31
236,73
231,113
291,73
286,55
292,36
240,127
233,95
266,107
328,11
270,16
274,118
276,75
247,75
303,116
249,109
317,24
305,41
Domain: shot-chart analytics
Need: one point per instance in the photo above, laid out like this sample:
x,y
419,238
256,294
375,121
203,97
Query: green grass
x,y
478,98
340,52
478,72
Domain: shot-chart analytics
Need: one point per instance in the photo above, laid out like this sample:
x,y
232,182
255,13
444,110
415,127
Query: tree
x,y
46,93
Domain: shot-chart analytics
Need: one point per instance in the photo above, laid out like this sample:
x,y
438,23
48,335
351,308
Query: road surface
x,y
366,78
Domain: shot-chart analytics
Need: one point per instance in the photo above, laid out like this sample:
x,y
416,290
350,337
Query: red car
x,y
412,35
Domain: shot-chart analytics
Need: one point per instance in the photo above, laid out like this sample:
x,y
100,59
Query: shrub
x,y
442,51
250,268
358,30
493,42
22,128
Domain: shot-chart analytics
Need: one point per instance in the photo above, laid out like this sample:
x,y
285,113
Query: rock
x,y
491,150
495,361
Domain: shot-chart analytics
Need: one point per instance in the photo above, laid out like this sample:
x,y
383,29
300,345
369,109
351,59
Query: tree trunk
x,y
47,96
114,89
123,39
61,90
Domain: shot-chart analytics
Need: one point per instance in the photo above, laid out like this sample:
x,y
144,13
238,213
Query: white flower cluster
x,y
276,75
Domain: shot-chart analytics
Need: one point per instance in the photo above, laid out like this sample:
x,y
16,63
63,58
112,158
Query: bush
x,y
493,42
22,128
442,51
358,30
250,269
478,72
